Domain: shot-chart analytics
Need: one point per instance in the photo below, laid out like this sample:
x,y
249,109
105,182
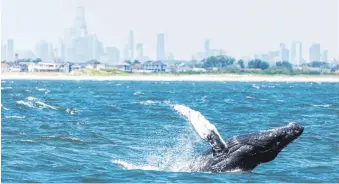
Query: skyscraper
x,y
315,52
126,52
10,50
207,48
161,47
41,50
131,45
296,53
140,51
61,50
3,52
80,25
324,56
113,55
284,52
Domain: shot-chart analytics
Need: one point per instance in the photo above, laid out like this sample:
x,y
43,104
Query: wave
x,y
15,117
131,166
72,111
255,86
33,102
249,97
322,105
41,89
44,105
6,88
28,104
28,141
3,107
30,98
138,93
63,138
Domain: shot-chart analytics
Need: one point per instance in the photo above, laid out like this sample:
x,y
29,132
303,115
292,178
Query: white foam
x,y
255,86
147,102
15,117
28,104
322,105
30,98
138,93
45,105
131,166
249,97
3,107
41,89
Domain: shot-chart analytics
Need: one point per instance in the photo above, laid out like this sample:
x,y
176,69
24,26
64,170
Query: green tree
x,y
259,64
284,64
217,61
37,60
241,64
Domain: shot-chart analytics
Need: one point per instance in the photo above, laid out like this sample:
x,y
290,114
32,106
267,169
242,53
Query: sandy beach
x,y
172,77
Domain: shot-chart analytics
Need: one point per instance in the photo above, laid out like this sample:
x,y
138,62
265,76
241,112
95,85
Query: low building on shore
x,y
75,67
154,66
15,68
4,67
49,67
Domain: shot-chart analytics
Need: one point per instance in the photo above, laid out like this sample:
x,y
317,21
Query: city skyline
x,y
188,45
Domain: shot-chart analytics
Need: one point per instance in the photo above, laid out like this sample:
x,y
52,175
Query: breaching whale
x,y
243,152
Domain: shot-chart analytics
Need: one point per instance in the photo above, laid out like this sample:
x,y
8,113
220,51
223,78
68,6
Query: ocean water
x,y
127,131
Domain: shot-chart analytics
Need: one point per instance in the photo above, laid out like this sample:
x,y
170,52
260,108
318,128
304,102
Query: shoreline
x,y
173,77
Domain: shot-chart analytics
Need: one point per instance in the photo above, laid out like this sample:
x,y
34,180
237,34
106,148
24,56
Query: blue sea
x,y
127,131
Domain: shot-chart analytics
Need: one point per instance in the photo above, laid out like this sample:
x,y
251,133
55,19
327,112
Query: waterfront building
x,y
284,53
131,46
161,47
314,52
10,50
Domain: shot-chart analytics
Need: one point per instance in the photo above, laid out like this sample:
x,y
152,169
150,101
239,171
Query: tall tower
x,y
10,50
3,52
131,45
161,47
80,25
140,51
284,52
296,53
207,48
315,52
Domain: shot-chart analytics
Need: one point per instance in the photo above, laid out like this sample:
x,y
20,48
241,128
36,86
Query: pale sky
x,y
241,27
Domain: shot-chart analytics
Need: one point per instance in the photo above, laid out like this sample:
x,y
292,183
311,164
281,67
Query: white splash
x,y
30,98
322,105
41,89
130,166
28,104
138,93
15,117
181,157
147,102
42,104
255,86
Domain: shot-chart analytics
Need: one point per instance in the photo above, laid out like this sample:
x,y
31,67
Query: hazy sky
x,y
241,27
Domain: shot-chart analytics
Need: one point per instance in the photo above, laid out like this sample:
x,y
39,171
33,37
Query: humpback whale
x,y
243,152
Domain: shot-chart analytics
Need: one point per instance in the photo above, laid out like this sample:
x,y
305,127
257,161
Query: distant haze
x,y
241,27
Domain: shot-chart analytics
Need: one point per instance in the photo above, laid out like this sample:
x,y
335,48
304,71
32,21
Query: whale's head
x,y
269,143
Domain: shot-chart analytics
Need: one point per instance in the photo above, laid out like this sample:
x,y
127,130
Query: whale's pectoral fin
x,y
204,128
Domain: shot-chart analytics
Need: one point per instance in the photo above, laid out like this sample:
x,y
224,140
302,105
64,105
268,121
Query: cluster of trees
x,y
217,62
318,64
258,64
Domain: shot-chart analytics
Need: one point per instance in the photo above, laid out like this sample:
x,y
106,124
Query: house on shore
x,y
154,66
49,67
4,67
